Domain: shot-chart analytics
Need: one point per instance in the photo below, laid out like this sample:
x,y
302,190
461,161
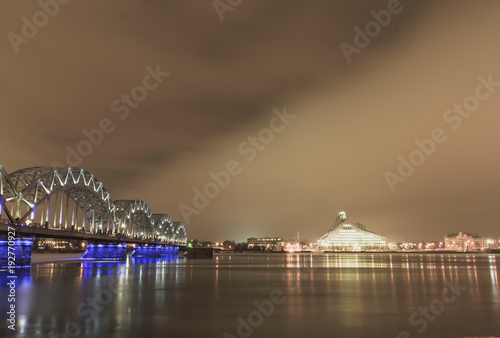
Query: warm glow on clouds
x,y
352,121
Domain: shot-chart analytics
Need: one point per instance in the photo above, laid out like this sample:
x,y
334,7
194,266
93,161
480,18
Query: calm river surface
x,y
262,295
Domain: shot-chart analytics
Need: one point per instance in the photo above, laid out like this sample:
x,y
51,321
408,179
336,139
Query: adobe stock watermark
x,y
11,278
121,106
372,29
249,148
420,319
454,117
30,28
90,308
223,6
266,308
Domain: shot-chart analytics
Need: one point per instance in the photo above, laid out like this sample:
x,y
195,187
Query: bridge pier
x,y
106,252
169,250
157,251
15,253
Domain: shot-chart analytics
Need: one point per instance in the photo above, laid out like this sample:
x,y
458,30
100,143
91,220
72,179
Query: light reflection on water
x,y
327,295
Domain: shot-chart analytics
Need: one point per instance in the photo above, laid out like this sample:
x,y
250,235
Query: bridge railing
x,y
105,233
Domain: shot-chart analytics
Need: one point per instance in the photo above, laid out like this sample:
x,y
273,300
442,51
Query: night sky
x,y
349,120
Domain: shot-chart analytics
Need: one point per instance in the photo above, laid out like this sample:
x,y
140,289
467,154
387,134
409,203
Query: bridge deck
x,y
77,235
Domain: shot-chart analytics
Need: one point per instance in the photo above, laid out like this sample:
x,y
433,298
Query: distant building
x,y
466,242
266,243
229,245
420,246
297,246
347,236
55,244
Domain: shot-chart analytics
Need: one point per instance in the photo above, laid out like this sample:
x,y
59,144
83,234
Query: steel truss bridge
x,y
72,203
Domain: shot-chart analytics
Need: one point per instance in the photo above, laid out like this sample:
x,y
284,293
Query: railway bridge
x,y
71,203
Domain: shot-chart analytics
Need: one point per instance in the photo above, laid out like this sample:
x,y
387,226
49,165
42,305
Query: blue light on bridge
x,y
20,254
105,252
33,211
2,202
153,251
170,250
17,242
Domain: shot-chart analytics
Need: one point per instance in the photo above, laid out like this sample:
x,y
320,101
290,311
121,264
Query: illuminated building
x,y
466,242
56,244
293,247
347,236
266,243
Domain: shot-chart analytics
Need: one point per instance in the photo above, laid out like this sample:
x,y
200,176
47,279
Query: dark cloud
x,y
353,120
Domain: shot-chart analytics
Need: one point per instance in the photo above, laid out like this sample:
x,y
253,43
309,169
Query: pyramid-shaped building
x,y
347,236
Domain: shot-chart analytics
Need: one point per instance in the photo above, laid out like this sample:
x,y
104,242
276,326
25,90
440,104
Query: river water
x,y
261,295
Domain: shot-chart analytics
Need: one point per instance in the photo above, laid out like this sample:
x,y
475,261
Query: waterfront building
x,y
41,244
347,236
419,246
266,243
467,242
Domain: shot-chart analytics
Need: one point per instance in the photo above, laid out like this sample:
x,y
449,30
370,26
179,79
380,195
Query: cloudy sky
x,y
352,121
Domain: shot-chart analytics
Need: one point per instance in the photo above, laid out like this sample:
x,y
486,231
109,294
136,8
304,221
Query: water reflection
x,y
347,294
494,276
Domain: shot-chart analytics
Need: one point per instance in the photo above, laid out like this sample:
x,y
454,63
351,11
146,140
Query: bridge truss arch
x,y
180,235
47,193
73,199
164,226
135,219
